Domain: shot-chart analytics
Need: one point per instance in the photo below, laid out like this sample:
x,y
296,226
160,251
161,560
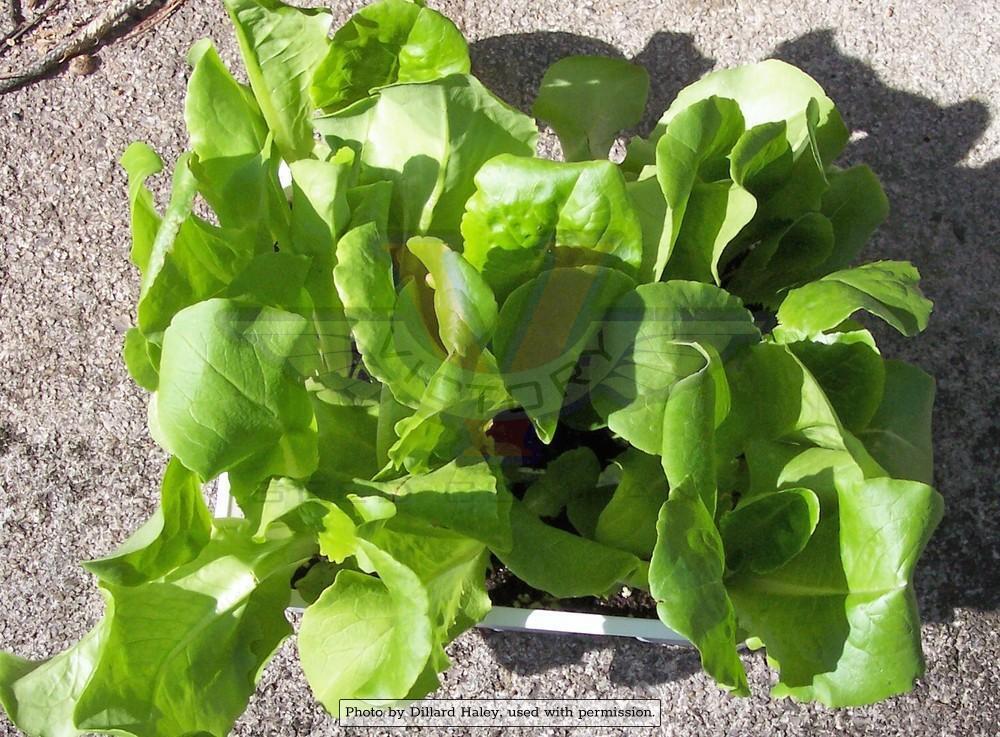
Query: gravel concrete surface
x,y
78,471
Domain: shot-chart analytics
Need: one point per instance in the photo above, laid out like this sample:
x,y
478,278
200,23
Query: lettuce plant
x,y
426,350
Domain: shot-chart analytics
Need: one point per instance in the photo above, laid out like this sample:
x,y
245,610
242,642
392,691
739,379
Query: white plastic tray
x,y
504,618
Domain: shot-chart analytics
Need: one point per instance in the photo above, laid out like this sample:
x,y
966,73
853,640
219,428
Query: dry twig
x,y
155,18
7,42
86,39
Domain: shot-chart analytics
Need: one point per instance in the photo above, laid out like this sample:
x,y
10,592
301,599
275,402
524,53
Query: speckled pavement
x,y
78,471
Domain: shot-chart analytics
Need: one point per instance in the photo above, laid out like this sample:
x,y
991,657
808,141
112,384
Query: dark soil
x,y
506,589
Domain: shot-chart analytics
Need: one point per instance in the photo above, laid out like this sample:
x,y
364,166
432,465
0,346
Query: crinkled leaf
x,y
452,414
161,670
588,100
464,496
527,214
452,567
387,42
40,696
190,260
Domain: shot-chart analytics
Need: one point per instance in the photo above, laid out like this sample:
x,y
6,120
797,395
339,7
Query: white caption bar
x,y
504,713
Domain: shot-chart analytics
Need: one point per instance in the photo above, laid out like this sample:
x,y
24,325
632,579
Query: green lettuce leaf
x,y
387,42
855,205
190,260
588,100
696,406
767,92
234,592
464,306
549,559
40,696
769,530
787,256
543,328
366,637
281,46
364,281
850,371
705,210
899,434
839,619
141,162
320,216
152,667
629,519
175,534
775,397
686,579
142,359
573,473
454,126
465,496
886,289
234,163
227,393
452,568
527,214
647,346
466,389
348,439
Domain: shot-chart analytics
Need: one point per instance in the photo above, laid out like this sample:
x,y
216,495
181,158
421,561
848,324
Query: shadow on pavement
x,y
633,662
944,218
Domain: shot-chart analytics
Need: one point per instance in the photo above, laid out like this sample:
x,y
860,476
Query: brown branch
x,y
7,42
86,39
155,18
